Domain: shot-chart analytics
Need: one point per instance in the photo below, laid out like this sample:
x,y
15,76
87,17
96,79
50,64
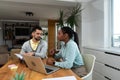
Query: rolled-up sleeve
x,y
58,55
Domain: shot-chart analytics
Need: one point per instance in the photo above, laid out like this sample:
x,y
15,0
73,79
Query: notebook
x,y
62,78
36,64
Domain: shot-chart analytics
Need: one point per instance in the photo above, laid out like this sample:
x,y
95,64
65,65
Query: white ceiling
x,y
42,9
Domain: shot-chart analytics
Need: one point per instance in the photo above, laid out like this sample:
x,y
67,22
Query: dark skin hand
x,y
52,52
50,61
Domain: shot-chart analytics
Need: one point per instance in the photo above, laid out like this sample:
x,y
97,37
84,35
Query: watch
x,y
54,63
33,53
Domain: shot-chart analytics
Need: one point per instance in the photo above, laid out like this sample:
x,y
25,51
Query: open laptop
x,y
36,64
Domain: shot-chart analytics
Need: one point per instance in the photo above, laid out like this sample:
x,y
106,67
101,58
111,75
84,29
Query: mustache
x,y
37,39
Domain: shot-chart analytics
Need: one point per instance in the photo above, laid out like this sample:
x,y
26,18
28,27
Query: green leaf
x,y
17,76
71,16
75,12
20,76
60,21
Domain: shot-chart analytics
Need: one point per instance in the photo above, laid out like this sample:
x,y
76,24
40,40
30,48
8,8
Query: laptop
x,y
36,64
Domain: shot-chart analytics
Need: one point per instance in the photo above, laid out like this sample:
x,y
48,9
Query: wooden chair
x,y
4,57
89,61
14,51
4,54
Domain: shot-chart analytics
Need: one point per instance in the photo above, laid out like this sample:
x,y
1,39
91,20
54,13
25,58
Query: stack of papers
x,y
62,78
12,66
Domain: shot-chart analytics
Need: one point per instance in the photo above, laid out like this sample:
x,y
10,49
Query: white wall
x,y
93,24
43,23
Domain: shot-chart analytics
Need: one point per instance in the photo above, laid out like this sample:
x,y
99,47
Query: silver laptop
x,y
36,64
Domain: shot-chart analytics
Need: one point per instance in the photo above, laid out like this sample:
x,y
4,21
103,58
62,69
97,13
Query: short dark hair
x,y
35,28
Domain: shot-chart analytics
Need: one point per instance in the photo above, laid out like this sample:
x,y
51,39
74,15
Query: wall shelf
x,y
12,30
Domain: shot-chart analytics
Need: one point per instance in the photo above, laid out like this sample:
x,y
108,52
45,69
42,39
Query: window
x,y
116,23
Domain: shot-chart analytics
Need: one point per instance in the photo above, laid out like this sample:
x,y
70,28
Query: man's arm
x,y
23,49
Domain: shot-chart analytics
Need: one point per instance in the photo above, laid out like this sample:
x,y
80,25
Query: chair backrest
x,y
4,57
13,52
3,49
89,61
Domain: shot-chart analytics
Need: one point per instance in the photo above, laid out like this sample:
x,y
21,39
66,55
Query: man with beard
x,y
36,46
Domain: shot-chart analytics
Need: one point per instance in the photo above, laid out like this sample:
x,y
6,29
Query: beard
x,y
38,38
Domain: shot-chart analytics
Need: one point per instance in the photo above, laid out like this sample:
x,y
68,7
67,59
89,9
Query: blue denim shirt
x,y
70,55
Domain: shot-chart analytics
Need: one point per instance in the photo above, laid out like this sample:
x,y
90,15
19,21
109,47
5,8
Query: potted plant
x,y
61,21
71,18
18,76
74,13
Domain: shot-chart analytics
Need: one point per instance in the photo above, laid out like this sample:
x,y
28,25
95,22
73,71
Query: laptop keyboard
x,y
48,70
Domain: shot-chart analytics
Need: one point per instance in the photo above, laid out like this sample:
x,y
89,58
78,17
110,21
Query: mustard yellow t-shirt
x,y
34,44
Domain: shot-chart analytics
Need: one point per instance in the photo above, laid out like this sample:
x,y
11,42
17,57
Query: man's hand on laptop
x,y
29,54
50,61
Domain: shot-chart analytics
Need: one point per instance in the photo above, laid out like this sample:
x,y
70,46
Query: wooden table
x,y
7,74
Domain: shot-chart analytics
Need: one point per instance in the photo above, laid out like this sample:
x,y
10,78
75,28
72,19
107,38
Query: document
x,y
19,56
12,66
62,78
